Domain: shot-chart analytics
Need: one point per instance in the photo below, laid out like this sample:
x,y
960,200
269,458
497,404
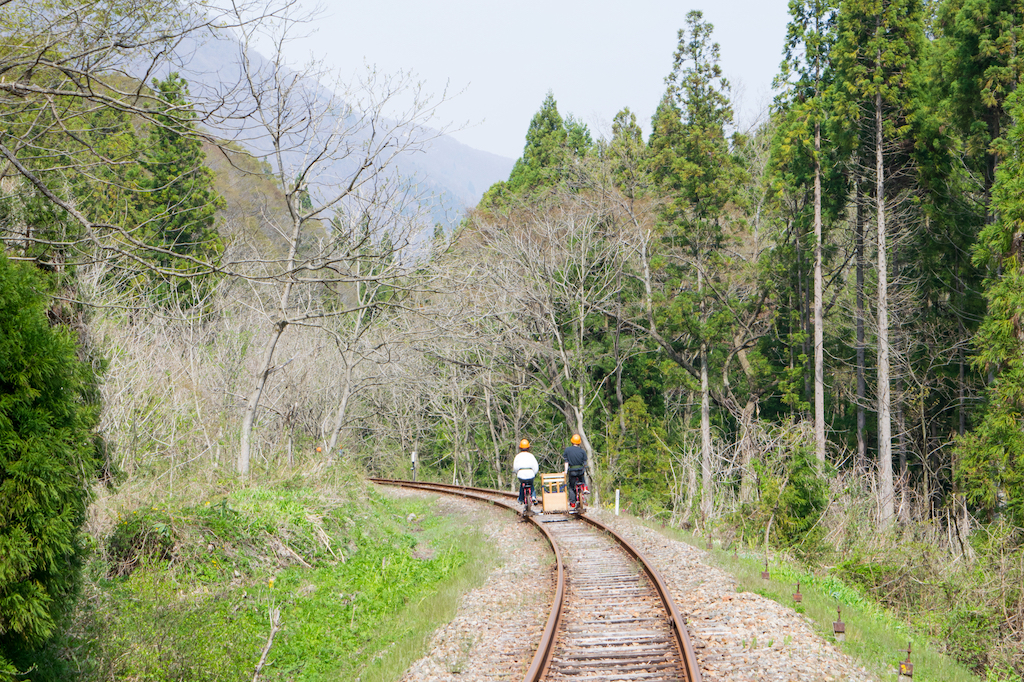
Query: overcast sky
x,y
596,56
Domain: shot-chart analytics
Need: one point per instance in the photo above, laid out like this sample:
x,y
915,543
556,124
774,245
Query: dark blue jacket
x,y
575,456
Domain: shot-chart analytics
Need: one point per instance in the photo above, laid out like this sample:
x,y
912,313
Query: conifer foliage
x,y
180,192
47,461
543,156
992,462
553,143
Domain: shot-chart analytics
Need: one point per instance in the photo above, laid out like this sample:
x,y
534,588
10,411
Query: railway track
x,y
612,618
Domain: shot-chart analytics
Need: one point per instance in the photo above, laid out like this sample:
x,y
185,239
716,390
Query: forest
x,y
805,335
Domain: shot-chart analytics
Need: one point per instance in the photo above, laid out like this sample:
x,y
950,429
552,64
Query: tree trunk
x,y
348,356
691,485
803,293
455,451
819,346
706,454
901,433
249,418
961,397
747,449
903,510
494,434
339,419
926,479
470,467
862,446
706,460
885,482
618,362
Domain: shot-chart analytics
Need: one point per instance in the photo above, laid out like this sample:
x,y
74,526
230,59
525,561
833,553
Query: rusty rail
x,y
542,659
686,649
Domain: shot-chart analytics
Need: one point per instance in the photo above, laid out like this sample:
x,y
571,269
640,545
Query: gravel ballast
x,y
738,636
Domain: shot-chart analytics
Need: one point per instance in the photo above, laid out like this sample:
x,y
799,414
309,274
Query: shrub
x,y
137,538
792,496
48,461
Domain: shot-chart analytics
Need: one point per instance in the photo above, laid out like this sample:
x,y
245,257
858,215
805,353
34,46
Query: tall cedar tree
x,y
181,196
877,47
47,462
808,39
974,64
577,137
981,64
627,154
543,159
692,164
991,462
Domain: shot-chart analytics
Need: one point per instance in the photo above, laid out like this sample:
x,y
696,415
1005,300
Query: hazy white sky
x,y
597,56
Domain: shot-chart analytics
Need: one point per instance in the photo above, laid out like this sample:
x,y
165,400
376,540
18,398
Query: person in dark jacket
x,y
575,468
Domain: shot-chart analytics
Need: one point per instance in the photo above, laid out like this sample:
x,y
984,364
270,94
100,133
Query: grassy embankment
x,y
185,588
874,637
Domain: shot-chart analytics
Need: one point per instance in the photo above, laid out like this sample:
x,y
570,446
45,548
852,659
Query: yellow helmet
x,y
524,444
576,440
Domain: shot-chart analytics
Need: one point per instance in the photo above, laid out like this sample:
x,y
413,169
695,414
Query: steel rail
x,y
686,650
542,659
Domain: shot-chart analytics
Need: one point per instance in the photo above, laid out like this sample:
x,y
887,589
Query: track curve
x,y
612,618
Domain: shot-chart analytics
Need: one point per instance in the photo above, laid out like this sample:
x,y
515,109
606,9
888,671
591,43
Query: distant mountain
x,y
455,174
459,170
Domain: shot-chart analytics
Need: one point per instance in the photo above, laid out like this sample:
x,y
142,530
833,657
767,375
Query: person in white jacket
x,y
526,468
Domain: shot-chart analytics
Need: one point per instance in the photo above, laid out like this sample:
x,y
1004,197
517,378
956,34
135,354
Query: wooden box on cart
x,y
554,498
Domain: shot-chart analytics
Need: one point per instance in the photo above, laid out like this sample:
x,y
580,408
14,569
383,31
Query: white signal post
x,y
414,465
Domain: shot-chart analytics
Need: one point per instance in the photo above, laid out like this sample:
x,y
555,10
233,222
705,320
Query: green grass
x,y
874,637
376,577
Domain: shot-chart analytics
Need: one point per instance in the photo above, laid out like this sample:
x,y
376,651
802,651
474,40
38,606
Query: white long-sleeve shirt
x,y
525,465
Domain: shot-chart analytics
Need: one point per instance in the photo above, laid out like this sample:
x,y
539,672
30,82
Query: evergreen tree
x,y
577,137
979,63
553,144
876,51
991,462
703,173
972,67
182,200
666,134
627,154
809,32
47,462
692,164
543,160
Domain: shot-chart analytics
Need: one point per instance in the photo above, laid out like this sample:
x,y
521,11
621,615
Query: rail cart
x,y
554,497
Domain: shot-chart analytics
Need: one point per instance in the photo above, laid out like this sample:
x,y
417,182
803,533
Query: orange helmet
x,y
576,440
524,444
